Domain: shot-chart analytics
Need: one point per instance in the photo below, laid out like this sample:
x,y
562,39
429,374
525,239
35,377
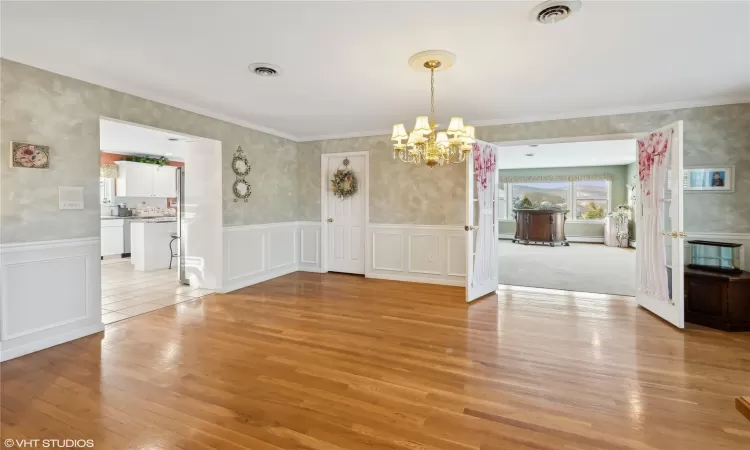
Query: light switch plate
x,y
70,197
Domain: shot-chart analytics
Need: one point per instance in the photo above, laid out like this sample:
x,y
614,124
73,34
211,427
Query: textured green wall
x,y
45,108
619,194
420,195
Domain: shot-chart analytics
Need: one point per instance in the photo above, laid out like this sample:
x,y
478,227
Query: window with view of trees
x,y
591,200
555,193
586,200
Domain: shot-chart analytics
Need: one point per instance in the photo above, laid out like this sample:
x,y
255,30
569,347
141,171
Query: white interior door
x,y
346,218
482,275
660,250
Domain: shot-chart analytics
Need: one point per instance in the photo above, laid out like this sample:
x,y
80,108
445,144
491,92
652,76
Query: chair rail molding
x,y
50,293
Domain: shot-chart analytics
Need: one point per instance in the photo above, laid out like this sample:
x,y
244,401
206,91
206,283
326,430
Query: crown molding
x,y
204,112
613,111
562,116
148,95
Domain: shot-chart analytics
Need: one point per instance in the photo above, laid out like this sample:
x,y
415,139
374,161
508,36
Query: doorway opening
x,y
161,217
565,216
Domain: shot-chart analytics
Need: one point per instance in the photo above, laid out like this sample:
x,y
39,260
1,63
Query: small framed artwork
x,y
709,179
29,156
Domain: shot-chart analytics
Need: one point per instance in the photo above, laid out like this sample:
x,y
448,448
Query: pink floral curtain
x,y
485,257
653,168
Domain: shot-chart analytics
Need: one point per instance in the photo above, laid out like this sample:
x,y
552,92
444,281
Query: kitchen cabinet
x,y
145,180
112,238
165,181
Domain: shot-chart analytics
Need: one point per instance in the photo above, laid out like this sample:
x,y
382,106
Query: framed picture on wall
x,y
709,179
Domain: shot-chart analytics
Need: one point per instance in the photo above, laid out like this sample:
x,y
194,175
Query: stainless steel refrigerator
x,y
181,223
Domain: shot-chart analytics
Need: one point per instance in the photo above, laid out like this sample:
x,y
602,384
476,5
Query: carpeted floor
x,y
580,267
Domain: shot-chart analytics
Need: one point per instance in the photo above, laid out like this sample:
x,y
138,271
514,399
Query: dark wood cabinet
x,y
717,299
543,226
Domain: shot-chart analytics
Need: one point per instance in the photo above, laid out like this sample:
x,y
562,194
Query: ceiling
x,y
128,139
345,68
573,154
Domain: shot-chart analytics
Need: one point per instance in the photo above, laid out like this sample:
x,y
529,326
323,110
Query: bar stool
x,y
172,254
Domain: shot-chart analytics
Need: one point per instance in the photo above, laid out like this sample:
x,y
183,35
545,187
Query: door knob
x,y
471,228
330,219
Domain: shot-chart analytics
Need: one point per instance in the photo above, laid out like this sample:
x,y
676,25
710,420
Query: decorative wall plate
x,y
29,156
241,189
240,165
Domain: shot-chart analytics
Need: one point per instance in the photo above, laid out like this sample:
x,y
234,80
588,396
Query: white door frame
x,y
364,190
562,140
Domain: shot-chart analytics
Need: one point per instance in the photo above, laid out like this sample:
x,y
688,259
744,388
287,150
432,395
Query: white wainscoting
x,y
421,253
310,250
256,253
50,293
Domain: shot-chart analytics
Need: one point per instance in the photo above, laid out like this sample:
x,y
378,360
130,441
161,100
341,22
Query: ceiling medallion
x,y
426,144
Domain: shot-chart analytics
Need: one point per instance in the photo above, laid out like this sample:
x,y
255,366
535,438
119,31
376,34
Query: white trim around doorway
x,y
324,205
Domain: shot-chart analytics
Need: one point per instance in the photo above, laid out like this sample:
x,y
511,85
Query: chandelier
x,y
426,144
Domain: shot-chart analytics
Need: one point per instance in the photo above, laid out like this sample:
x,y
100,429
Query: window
x,y
592,200
586,200
502,205
555,193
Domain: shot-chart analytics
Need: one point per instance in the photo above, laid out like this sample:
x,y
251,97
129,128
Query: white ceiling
x,y
345,63
573,154
127,139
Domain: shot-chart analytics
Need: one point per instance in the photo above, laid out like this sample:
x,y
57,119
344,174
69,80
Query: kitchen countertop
x,y
137,217
155,220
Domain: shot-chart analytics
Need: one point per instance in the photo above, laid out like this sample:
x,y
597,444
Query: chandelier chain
x,y
432,93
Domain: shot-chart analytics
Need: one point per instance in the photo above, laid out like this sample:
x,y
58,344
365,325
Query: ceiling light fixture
x,y
265,69
425,144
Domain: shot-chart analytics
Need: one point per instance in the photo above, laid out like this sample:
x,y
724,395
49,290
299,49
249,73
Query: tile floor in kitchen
x,y
127,292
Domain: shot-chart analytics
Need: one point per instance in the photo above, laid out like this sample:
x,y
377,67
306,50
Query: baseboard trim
x,y
31,347
408,279
581,239
244,282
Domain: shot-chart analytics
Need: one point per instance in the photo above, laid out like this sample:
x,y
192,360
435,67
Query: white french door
x,y
482,275
660,253
345,218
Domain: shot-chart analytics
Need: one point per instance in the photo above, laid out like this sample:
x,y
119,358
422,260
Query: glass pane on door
x,y
667,227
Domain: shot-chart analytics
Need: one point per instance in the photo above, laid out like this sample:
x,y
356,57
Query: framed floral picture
x,y
29,156
709,179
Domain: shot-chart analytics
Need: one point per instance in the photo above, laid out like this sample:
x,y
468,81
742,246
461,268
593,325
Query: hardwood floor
x,y
310,361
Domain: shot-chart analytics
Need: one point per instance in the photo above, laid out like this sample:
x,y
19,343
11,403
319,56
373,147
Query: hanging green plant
x,y
160,161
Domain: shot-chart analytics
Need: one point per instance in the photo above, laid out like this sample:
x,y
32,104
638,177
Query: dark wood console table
x,y
717,299
539,225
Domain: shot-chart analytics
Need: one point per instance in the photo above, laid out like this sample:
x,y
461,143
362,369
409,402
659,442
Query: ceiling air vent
x,y
554,11
265,70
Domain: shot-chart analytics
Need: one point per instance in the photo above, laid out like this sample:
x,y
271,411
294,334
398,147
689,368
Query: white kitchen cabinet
x,y
145,180
112,237
165,181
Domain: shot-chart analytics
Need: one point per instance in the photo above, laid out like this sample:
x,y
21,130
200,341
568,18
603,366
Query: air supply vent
x,y
265,70
554,11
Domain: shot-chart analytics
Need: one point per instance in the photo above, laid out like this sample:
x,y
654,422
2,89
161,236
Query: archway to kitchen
x,y
161,215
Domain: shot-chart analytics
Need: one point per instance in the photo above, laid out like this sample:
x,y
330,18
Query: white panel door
x,y
165,181
346,219
663,249
482,275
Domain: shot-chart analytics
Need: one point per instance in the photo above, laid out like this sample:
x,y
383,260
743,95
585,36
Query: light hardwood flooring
x,y
127,292
336,362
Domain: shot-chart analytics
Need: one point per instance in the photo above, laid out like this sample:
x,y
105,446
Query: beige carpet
x,y
580,267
